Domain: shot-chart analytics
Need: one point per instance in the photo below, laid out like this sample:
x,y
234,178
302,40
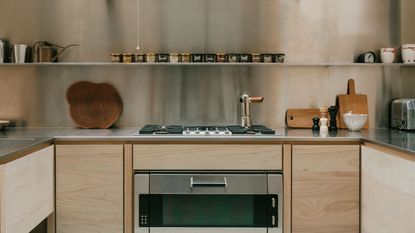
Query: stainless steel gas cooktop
x,y
205,130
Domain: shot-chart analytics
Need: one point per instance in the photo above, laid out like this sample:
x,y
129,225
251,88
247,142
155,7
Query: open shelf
x,y
206,64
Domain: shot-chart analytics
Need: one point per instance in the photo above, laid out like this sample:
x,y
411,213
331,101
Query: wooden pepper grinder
x,y
333,121
324,130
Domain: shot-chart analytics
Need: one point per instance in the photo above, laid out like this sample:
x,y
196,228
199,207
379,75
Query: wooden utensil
x,y
94,105
352,102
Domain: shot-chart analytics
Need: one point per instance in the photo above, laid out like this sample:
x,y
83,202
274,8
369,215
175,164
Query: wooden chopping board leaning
x,y
356,103
94,105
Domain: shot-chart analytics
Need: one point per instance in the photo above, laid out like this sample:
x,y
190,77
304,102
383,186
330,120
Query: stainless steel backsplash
x,y
318,31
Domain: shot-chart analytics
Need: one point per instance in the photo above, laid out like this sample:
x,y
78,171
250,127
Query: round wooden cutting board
x,y
94,105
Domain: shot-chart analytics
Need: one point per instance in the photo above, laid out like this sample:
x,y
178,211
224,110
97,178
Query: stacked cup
x,y
387,55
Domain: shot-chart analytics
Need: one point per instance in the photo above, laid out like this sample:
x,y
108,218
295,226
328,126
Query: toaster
x,y
403,114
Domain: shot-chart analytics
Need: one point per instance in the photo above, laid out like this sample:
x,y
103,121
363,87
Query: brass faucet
x,y
246,101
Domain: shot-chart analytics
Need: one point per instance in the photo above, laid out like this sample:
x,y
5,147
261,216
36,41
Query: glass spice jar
x,y
233,57
197,57
162,57
221,57
185,57
256,57
279,57
174,57
246,57
127,57
139,57
267,57
115,57
210,57
150,57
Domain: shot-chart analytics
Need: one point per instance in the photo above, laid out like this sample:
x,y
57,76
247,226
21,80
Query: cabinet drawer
x,y
207,157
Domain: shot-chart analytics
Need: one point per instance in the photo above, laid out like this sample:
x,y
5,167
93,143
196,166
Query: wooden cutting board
x,y
352,102
301,118
94,105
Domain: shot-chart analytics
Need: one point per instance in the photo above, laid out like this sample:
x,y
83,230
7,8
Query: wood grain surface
x,y
388,192
303,118
94,105
287,176
89,188
325,189
27,191
208,157
352,102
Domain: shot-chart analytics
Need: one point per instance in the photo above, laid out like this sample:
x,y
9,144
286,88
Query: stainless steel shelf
x,y
206,64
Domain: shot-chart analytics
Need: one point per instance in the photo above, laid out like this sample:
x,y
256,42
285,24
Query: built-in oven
x,y
247,202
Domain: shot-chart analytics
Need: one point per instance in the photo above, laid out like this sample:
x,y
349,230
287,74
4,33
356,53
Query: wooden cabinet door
x,y
325,188
388,191
27,193
89,188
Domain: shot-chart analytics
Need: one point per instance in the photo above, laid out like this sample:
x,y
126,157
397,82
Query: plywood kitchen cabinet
x,y
388,191
89,188
207,157
325,188
26,191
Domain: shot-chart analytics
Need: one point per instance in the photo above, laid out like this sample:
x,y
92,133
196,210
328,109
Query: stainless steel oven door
x,y
206,202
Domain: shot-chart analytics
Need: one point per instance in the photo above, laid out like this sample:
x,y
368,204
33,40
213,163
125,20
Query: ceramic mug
x,y
408,53
387,55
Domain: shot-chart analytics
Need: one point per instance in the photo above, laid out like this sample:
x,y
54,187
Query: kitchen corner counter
x,y
14,140
12,148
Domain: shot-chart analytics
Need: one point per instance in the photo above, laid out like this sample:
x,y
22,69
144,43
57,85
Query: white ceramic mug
x,y
387,55
408,53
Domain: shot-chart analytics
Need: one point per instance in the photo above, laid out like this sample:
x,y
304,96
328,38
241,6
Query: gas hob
x,y
205,130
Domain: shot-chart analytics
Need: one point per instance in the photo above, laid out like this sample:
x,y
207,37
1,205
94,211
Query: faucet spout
x,y
246,101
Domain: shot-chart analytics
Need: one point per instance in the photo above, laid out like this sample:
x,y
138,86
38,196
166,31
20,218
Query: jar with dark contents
x,y
233,57
220,57
256,57
162,57
198,57
139,57
150,57
185,57
115,57
267,57
210,57
279,57
246,57
174,57
127,57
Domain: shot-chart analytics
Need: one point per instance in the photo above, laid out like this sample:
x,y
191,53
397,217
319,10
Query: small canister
x,y
174,57
279,57
162,57
150,57
267,57
221,57
198,57
139,57
185,57
210,57
127,57
115,57
246,57
256,57
233,57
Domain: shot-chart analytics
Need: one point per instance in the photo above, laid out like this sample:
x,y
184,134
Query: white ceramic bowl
x,y
354,122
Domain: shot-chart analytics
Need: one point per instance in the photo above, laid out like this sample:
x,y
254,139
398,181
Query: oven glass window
x,y
208,210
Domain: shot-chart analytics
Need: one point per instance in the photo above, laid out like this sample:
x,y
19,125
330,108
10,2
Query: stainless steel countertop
x,y
14,140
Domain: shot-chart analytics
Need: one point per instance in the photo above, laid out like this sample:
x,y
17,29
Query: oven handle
x,y
195,184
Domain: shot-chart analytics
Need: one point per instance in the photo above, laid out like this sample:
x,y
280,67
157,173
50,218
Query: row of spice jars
x,y
198,57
